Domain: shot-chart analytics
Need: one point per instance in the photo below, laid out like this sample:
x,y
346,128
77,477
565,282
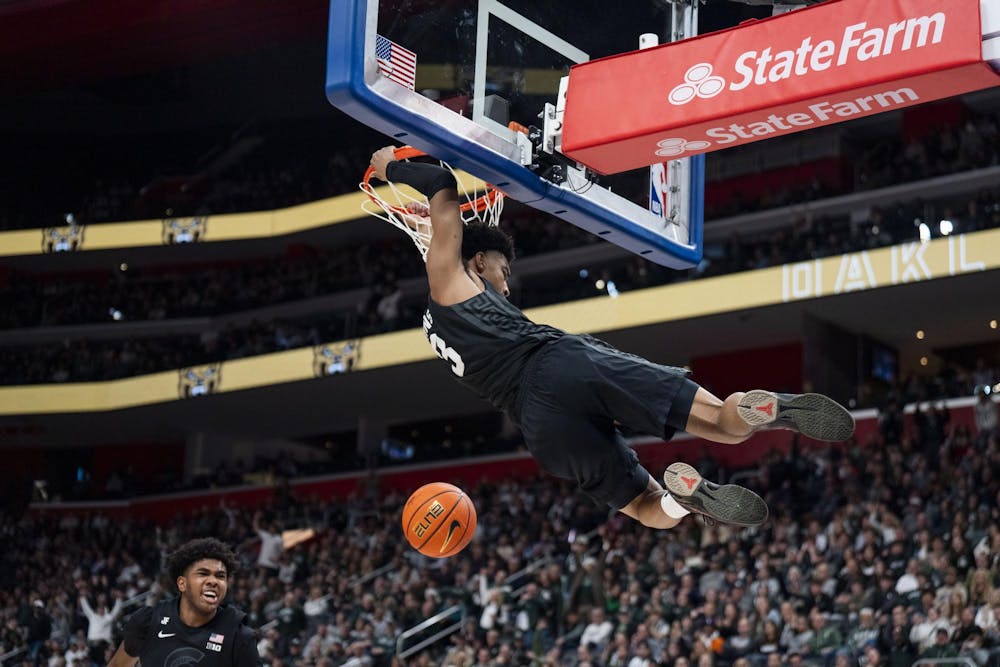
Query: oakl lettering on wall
x,y
869,269
824,64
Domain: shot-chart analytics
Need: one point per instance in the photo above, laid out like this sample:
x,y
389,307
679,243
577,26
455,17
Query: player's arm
x,y
121,658
136,633
445,272
245,652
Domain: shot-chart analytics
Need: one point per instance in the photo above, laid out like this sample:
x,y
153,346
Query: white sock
x,y
672,508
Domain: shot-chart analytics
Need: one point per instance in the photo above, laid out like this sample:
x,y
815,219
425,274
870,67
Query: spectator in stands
x,y
924,633
942,648
99,623
826,637
742,643
39,629
272,544
78,654
899,650
986,415
597,633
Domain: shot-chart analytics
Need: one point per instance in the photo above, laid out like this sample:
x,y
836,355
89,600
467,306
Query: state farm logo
x,y
675,146
820,112
698,82
859,43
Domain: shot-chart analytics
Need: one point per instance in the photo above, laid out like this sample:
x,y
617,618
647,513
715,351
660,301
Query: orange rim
x,y
480,203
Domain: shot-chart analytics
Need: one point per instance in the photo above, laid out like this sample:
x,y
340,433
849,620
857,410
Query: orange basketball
x,y
439,520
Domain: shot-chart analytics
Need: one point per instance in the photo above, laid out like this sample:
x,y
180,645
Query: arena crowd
x,y
876,553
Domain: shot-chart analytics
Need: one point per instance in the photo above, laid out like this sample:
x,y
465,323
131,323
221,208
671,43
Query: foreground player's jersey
x,y
158,638
487,341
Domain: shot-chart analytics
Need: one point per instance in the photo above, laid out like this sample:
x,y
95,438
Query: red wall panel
x,y
778,368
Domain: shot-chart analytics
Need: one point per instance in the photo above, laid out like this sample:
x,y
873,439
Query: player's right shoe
x,y
727,503
812,415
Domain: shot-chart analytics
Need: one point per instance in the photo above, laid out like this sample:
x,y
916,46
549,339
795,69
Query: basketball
x,y
439,520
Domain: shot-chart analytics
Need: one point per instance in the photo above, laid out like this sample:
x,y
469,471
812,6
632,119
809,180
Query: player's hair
x,y
481,237
180,560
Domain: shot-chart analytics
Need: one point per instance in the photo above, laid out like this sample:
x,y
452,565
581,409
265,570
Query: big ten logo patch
x,y
66,238
435,510
335,358
199,380
184,230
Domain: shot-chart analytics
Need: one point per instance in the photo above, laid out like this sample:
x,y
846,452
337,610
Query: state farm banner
x,y
832,62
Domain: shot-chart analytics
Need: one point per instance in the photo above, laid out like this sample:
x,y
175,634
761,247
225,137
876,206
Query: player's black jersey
x,y
158,638
487,341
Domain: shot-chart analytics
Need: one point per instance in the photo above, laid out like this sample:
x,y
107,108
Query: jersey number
x,y
448,354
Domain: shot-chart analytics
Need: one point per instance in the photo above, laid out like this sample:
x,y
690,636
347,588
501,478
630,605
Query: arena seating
x,y
872,549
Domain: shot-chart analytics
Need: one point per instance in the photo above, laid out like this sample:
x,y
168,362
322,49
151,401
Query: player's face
x,y
495,268
204,585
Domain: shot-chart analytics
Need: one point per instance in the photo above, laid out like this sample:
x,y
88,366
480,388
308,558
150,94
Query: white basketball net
x,y
482,203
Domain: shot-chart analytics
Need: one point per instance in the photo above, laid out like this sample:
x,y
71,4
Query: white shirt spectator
x,y
986,619
598,631
923,634
77,655
986,415
907,583
271,548
99,625
315,607
494,611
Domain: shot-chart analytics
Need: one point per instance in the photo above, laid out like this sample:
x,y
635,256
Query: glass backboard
x,y
453,79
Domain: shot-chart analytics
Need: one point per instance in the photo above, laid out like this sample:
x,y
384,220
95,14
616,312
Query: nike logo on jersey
x,y
163,635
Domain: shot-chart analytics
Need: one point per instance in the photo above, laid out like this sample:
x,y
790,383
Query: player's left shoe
x,y
813,415
727,503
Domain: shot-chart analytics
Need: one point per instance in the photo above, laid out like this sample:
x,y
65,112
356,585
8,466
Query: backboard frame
x,y
355,86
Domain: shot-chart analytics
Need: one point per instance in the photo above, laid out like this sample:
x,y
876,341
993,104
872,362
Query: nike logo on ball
x,y
163,635
451,531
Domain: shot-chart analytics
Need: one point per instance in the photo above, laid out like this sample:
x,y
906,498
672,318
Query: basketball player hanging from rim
x,y
197,626
566,391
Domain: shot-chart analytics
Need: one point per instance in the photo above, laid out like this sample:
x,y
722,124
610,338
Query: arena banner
x,y
843,274
188,230
828,63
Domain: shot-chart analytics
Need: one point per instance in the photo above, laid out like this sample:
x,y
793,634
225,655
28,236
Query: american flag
x,y
395,62
216,638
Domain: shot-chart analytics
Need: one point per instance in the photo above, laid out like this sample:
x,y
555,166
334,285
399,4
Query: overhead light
x,y
946,227
923,361
993,324
123,267
599,284
920,334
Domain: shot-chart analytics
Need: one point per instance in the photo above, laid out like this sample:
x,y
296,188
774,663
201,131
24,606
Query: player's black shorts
x,y
572,394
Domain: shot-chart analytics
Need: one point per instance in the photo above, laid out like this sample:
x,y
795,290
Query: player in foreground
x,y
195,627
566,391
